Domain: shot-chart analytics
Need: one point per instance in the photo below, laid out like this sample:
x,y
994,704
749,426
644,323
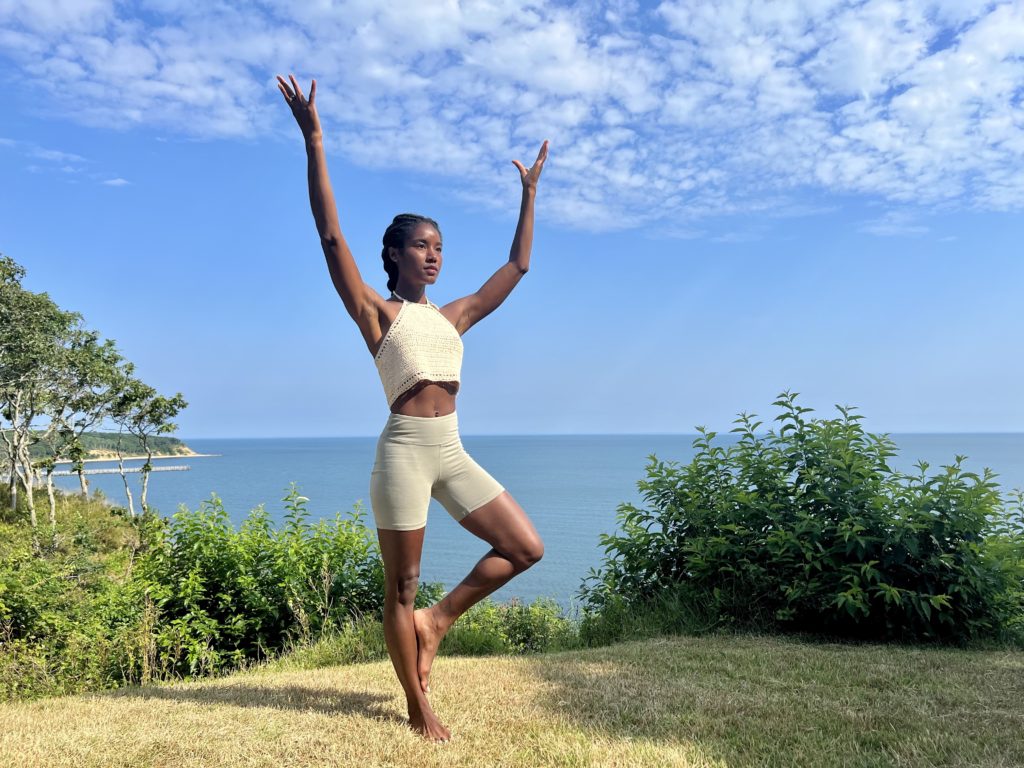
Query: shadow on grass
x,y
304,699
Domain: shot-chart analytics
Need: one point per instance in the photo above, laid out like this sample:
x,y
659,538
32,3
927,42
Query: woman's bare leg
x,y
401,554
515,546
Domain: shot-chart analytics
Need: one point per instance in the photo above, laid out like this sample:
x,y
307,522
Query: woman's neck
x,y
410,294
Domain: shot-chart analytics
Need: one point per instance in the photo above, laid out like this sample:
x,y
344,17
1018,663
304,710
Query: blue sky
x,y
741,198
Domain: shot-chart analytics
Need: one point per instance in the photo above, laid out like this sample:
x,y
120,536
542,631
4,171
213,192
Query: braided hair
x,y
395,236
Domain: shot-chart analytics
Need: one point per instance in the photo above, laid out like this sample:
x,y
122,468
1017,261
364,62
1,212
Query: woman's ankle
x,y
418,705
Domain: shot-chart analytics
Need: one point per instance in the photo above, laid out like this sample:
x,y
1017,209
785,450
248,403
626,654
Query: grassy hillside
x,y
711,701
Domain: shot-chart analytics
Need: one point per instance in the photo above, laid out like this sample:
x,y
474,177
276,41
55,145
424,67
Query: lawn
x,y
682,701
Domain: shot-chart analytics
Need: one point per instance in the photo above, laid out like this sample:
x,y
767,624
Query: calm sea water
x,y
570,485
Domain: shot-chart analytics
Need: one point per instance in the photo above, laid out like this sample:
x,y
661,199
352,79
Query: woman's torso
x,y
425,398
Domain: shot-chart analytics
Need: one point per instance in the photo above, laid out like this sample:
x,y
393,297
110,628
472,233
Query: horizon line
x,y
574,434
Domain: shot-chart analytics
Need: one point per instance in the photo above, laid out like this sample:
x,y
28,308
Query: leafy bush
x,y
125,600
809,529
53,636
222,597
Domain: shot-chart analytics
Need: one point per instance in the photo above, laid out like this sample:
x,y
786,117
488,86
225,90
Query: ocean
x,y
570,486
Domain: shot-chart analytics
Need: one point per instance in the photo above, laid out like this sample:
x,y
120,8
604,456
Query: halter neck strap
x,y
429,303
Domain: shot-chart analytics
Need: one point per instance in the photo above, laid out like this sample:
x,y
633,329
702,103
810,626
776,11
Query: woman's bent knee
x,y
529,555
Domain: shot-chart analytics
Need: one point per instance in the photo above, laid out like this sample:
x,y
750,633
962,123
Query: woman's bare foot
x,y
423,720
429,632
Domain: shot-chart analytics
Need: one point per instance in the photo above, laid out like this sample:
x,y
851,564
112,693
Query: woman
x,y
417,348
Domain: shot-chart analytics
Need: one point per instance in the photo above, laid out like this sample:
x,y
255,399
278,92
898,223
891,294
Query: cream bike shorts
x,y
419,457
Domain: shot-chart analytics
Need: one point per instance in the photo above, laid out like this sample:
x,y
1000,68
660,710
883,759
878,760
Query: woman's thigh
x,y
462,485
400,484
400,551
504,525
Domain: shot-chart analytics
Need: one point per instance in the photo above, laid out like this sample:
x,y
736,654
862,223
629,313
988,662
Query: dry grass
x,y
713,701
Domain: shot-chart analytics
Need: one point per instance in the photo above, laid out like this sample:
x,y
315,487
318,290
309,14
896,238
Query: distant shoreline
x,y
113,457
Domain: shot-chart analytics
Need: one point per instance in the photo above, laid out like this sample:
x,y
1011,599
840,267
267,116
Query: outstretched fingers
x,y
292,91
303,109
543,154
531,175
286,91
295,85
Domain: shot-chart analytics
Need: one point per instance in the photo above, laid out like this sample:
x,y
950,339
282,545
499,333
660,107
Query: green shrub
x,y
512,627
223,597
54,634
809,529
129,600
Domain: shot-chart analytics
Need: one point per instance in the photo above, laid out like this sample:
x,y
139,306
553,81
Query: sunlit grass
x,y
711,701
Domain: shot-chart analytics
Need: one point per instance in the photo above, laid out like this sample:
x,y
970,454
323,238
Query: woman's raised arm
x,y
473,308
344,272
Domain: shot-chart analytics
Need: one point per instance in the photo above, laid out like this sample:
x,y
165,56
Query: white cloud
x,y
118,182
54,16
655,116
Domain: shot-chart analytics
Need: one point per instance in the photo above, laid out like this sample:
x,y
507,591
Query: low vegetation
x,y
808,529
122,601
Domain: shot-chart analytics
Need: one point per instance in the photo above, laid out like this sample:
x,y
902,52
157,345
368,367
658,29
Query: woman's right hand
x,y
303,110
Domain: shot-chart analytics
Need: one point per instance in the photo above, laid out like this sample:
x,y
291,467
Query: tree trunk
x,y
124,477
31,504
145,479
12,486
53,506
10,439
27,484
78,465
127,490
27,475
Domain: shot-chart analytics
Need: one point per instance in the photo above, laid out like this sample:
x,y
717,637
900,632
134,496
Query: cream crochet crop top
x,y
420,345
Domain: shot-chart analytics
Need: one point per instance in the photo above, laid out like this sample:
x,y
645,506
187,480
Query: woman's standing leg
x,y
515,546
401,554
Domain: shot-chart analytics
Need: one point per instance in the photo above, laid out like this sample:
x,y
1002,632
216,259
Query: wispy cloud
x,y
66,162
895,224
689,110
119,182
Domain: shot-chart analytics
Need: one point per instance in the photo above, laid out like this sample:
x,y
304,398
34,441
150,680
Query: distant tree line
x,y
107,443
59,380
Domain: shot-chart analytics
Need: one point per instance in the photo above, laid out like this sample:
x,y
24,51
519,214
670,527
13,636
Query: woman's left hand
x,y
531,176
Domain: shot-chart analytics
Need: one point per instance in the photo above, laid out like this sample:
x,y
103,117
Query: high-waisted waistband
x,y
422,430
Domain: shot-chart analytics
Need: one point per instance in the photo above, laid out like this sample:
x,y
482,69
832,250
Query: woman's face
x,y
419,260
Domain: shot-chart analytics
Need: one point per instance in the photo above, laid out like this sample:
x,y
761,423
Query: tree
x,y
10,296
58,380
79,397
144,413
123,393
56,441
92,374
34,334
